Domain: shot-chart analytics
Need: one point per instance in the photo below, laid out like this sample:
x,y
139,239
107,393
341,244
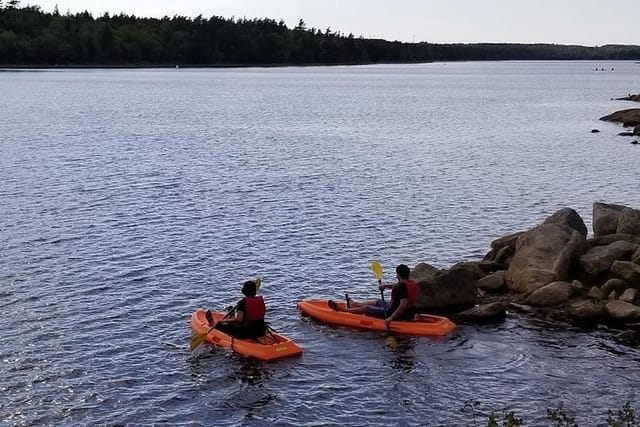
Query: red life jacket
x,y
254,308
412,292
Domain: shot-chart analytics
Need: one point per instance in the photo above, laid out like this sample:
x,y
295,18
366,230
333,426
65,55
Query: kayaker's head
x,y
403,272
249,288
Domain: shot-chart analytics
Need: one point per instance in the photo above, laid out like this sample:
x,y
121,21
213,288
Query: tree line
x,y
32,37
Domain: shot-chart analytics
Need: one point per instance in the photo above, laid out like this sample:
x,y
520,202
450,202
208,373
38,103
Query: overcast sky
x,y
583,22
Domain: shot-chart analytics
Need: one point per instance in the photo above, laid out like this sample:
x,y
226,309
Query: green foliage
x,y
625,417
508,420
559,418
29,36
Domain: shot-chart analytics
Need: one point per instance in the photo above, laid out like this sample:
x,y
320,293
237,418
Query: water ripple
x,y
132,197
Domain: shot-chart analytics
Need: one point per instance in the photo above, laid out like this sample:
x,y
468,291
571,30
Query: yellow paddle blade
x,y
392,342
258,283
377,269
197,339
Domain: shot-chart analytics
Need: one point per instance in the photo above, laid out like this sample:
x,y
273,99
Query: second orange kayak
x,y
423,324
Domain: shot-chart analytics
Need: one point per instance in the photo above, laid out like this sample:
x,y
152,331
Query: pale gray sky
x,y
584,22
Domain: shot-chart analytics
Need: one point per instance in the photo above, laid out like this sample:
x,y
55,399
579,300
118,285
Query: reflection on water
x,y
252,372
403,354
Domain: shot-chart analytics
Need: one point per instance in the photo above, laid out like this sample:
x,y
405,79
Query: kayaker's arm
x,y
383,286
401,308
239,317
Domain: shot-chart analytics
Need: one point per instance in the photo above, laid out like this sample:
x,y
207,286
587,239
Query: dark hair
x,y
403,271
249,288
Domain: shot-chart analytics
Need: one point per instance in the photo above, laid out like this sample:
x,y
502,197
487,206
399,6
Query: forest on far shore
x,y
32,37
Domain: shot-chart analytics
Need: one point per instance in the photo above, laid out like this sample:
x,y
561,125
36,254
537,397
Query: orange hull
x,y
424,324
270,347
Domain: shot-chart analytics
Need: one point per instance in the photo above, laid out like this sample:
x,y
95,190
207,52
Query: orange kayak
x,y
423,324
269,347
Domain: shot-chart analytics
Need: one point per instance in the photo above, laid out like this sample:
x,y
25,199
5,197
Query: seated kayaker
x,y
401,306
248,322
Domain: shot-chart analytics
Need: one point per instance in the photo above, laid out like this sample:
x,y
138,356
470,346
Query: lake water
x,y
130,198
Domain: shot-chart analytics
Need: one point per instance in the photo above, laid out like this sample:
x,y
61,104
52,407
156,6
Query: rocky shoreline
x,y
551,271
629,117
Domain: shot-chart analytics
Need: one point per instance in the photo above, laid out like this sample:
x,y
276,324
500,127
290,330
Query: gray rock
x,y
586,310
610,238
597,293
598,259
543,255
614,284
605,218
629,222
447,290
423,271
504,254
552,294
570,218
472,267
630,295
508,240
623,311
493,282
628,117
627,270
483,313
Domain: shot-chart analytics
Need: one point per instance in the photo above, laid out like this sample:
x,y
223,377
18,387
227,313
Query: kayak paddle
x,y
377,271
376,267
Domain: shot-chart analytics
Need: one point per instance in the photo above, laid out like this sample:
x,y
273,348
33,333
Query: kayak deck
x,y
269,347
423,324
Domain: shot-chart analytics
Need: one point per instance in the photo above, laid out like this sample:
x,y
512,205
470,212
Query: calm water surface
x,y
130,198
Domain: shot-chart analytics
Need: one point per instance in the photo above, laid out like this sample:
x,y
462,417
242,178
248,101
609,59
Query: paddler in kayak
x,y
401,306
248,321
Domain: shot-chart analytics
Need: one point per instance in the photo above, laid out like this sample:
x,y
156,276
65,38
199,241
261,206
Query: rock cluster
x,y
552,269
629,117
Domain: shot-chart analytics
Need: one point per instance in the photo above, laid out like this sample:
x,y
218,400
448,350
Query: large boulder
x,y
607,239
586,310
423,271
630,295
629,222
493,282
509,240
484,313
627,270
446,290
628,117
605,218
552,294
472,267
614,284
503,248
570,218
623,311
543,255
598,259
